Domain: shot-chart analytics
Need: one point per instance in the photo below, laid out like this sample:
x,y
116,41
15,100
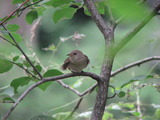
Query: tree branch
x,y
137,63
14,12
137,28
26,57
55,78
98,19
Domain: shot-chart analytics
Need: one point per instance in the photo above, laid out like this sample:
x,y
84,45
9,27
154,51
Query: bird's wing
x,y
88,61
65,64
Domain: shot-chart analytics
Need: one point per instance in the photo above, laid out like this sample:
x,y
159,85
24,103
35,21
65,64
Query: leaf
x,y
15,58
57,3
7,91
5,65
121,94
8,99
157,115
49,73
22,81
42,117
16,36
13,28
64,13
52,72
39,68
40,10
137,78
31,16
17,1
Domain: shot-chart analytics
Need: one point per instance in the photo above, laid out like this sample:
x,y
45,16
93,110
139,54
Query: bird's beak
x,y
68,54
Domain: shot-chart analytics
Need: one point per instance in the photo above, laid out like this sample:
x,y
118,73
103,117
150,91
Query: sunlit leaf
x,y
40,10
42,117
22,81
31,16
49,73
5,65
64,13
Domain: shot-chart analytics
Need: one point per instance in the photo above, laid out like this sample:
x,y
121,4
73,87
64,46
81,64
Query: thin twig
x,y
75,108
23,52
137,63
8,41
13,12
68,87
26,70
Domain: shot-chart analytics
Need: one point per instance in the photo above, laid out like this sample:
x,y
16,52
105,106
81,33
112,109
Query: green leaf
x,y
22,81
6,92
40,10
49,73
16,36
65,13
13,28
17,1
157,115
39,68
8,99
137,78
42,117
121,94
57,3
15,58
52,72
5,65
31,16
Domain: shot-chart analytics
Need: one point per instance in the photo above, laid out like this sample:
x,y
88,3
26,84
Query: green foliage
x,y
22,81
16,36
13,27
137,78
121,94
5,65
49,73
131,8
157,115
15,58
43,117
57,3
17,1
107,116
31,16
64,13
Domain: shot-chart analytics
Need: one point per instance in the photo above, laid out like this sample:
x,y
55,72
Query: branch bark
x,y
55,78
103,84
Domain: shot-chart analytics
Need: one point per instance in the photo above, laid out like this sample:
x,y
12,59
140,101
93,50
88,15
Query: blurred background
x,y
49,43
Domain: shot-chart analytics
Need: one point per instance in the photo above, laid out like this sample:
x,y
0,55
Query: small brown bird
x,y
76,61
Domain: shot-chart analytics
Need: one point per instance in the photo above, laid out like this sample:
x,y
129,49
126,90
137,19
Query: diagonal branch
x,y
26,57
98,19
137,63
137,28
14,12
55,78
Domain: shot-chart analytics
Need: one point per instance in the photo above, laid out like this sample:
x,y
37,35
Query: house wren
x,y
76,61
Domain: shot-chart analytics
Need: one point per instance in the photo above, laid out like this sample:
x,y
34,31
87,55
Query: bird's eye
x,y
75,53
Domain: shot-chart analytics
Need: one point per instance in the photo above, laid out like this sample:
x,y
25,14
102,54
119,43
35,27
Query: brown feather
x,y
65,64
